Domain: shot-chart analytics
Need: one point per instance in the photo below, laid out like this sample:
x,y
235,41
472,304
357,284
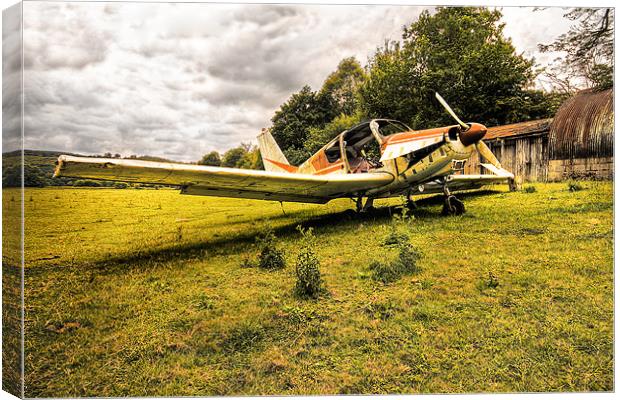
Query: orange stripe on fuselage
x,y
329,169
414,135
286,167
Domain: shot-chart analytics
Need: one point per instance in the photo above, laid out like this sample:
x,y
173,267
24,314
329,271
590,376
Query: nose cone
x,y
474,134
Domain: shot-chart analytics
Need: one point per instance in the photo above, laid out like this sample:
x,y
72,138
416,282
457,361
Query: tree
x,y
459,52
292,122
213,159
318,137
388,91
341,86
33,176
232,157
588,46
251,159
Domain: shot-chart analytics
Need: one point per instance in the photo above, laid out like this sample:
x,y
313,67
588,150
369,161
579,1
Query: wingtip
x,y
59,165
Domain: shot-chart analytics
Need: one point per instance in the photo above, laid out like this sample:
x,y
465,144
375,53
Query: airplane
x,y
375,159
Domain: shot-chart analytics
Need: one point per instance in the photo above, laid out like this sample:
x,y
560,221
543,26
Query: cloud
x,y
179,80
61,35
11,82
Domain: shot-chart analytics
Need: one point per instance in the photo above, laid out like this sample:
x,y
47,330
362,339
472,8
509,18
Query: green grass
x,y
144,293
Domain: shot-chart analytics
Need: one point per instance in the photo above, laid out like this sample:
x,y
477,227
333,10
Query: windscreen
x,y
387,128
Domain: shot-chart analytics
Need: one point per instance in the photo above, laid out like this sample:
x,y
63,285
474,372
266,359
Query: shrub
x,y
271,257
309,280
86,182
529,189
574,186
120,185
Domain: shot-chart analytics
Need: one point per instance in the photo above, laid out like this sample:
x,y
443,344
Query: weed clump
x,y
529,189
271,257
309,281
247,262
405,263
574,186
244,336
396,234
490,282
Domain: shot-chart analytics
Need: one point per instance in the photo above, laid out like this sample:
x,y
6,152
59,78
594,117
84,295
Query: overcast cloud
x,y
179,80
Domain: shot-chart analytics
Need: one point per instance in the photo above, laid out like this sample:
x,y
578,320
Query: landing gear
x,y
410,204
451,205
364,208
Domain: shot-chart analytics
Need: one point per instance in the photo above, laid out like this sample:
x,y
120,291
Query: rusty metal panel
x,y
539,126
583,127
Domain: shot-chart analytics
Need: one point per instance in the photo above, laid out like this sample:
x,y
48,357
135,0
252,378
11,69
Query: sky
x,y
180,80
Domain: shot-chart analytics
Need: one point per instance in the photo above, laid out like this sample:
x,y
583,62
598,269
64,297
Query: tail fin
x,y
273,158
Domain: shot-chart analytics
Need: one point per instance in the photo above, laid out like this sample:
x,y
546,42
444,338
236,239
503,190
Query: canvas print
x,y
219,199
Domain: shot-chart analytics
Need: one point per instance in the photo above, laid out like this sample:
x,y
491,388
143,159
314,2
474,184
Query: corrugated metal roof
x,y
583,127
519,129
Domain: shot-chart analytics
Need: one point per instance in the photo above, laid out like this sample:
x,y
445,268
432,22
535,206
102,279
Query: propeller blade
x,y
449,110
487,154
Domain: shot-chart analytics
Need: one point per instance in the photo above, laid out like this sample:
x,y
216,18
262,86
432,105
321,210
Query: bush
x,y
574,186
271,257
86,182
529,189
33,176
309,280
120,185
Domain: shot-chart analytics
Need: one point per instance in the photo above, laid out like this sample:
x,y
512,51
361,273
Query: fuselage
x,y
414,157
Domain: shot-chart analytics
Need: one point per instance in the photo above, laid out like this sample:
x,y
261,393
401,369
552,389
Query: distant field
x,y
142,293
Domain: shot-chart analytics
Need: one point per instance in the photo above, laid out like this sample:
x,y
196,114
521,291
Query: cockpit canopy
x,y
362,143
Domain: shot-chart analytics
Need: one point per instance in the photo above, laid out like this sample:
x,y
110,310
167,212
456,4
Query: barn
x,y
578,142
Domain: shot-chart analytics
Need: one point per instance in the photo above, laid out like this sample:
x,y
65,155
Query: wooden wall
x,y
524,156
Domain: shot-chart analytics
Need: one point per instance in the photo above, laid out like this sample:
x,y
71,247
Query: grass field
x,y
143,292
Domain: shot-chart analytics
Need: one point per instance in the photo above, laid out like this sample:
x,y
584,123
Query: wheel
x,y
453,206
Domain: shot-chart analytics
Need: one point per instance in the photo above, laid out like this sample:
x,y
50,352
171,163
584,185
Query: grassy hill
x,y
148,293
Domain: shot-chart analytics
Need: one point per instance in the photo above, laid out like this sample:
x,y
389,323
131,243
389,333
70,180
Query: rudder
x,y
273,158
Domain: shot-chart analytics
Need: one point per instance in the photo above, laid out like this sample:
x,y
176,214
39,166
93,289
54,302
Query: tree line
x,y
243,156
460,52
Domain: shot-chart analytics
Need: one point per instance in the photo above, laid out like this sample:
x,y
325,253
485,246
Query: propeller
x,y
450,111
470,133
487,154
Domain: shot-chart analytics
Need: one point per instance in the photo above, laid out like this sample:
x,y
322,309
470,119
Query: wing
x,y
223,182
466,182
